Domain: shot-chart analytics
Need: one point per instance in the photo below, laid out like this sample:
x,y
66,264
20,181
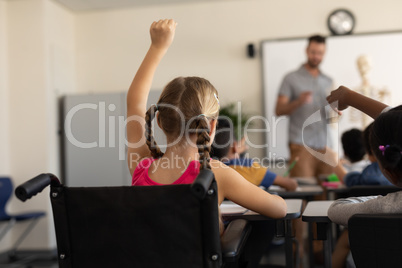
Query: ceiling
x,y
86,5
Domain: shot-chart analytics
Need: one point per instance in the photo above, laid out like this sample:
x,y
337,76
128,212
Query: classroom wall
x,y
48,51
4,163
40,36
210,41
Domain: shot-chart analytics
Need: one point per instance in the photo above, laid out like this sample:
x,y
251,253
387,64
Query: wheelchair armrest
x,y
33,186
234,238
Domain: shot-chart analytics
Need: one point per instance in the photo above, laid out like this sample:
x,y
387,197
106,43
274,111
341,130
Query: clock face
x,y
341,22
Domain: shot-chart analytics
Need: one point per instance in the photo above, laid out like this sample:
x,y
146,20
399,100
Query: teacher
x,y
302,93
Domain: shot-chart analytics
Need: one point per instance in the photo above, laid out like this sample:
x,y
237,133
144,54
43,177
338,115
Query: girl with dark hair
x,y
186,111
386,145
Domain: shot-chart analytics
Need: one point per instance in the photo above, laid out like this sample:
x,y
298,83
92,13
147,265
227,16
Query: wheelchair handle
x,y
202,183
36,185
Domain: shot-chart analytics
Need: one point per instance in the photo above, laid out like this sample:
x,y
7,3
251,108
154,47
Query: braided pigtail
x,y
153,147
203,140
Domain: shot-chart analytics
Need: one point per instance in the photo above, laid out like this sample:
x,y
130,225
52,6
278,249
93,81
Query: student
x,y
386,144
231,152
386,141
354,150
370,175
186,111
226,149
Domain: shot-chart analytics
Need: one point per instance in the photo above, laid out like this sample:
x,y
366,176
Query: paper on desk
x,y
276,188
306,180
232,208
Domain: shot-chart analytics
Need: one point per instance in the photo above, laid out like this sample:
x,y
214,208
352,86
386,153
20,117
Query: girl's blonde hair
x,y
185,106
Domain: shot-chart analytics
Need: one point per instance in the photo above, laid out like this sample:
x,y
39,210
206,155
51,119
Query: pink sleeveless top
x,y
141,177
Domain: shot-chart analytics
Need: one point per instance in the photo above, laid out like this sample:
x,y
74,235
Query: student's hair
x,y
366,139
317,39
185,106
223,138
387,132
352,144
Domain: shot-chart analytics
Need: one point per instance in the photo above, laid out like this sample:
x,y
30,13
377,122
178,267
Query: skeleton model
x,y
364,65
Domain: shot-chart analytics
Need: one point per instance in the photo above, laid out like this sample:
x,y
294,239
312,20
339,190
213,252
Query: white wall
x,y
26,100
210,41
4,163
41,52
60,70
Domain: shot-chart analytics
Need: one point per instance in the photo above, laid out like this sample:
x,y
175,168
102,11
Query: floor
x,y
275,257
37,259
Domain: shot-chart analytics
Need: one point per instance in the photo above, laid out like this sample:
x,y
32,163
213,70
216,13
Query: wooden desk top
x,y
317,211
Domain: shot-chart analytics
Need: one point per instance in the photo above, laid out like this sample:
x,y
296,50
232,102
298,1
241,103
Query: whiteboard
x,y
282,56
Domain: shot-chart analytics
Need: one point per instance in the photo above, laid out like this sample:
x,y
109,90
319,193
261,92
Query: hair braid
x,y
203,140
153,147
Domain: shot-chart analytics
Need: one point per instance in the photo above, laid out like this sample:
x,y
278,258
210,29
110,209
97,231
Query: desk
x,y
334,192
303,191
231,211
306,180
363,190
317,211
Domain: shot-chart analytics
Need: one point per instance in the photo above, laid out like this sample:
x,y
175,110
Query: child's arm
x,y
347,97
342,209
340,171
233,186
288,183
162,34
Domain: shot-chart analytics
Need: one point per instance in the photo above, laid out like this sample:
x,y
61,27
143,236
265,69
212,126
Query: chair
x,y
6,190
376,240
141,226
366,190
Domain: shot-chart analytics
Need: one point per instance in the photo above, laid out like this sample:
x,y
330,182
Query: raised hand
x,y
343,97
338,99
241,146
162,33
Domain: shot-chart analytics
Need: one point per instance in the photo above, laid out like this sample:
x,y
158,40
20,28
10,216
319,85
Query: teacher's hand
x,y
306,97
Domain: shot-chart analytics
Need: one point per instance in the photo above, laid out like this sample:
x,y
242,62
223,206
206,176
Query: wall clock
x,y
341,22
